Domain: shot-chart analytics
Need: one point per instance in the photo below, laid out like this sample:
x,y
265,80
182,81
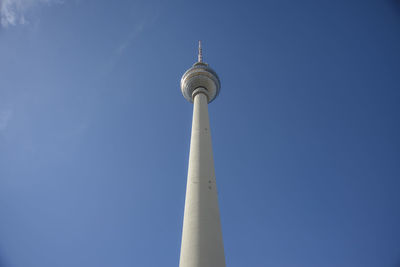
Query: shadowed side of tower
x,y
202,244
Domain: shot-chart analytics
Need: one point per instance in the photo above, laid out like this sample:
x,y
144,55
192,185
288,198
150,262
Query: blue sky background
x,y
94,131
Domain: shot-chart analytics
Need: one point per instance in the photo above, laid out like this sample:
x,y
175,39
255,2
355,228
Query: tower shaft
x,y
202,244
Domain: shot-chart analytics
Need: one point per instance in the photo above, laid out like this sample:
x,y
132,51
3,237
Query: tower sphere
x,y
200,75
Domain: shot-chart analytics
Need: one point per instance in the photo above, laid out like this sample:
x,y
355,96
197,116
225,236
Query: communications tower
x,y
202,244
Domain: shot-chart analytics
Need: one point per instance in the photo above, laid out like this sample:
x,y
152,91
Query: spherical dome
x,y
200,75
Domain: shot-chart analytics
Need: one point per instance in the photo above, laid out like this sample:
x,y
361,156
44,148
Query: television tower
x,y
202,244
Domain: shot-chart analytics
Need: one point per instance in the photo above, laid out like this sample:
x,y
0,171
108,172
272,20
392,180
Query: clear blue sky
x,y
94,131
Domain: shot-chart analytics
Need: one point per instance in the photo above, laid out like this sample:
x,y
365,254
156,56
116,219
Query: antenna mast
x,y
200,56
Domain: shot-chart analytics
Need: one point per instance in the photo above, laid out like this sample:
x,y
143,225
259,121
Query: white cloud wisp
x,y
13,12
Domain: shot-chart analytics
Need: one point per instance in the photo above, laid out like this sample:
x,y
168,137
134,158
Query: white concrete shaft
x,y
202,244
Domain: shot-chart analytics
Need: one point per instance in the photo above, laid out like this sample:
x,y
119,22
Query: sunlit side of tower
x,y
202,244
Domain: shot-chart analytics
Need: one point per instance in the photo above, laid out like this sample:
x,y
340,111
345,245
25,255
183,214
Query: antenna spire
x,y
200,56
